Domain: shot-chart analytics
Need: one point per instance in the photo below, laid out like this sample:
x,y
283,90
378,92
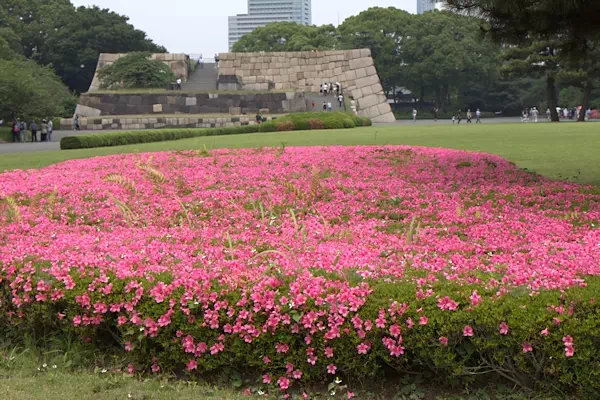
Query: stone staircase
x,y
318,100
202,79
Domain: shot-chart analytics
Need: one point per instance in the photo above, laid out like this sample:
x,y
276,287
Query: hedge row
x,y
301,121
516,336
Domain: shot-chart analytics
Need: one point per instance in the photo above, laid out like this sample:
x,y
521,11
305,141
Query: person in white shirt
x,y
414,115
178,83
329,107
325,89
201,61
478,116
341,100
50,129
534,114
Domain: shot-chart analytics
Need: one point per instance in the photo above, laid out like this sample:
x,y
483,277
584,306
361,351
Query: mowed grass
x,y
559,151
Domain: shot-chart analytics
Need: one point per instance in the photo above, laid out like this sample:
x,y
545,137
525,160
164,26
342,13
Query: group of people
x,y
571,113
330,89
19,130
532,114
458,117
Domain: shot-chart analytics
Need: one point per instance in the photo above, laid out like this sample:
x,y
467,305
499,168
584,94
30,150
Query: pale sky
x,y
200,26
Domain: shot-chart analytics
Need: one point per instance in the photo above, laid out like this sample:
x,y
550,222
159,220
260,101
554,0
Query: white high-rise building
x,y
425,5
262,12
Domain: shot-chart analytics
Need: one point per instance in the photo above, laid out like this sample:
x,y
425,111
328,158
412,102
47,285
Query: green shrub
x,y
291,122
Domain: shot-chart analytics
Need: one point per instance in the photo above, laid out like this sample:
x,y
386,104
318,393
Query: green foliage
x,y
136,71
54,32
289,122
288,36
28,90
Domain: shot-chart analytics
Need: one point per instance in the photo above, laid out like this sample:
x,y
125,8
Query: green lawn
x,y
560,151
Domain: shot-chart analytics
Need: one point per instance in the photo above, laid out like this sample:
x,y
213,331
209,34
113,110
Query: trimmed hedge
x,y
292,122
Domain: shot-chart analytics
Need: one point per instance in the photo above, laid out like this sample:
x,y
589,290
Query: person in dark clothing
x,y
458,117
33,132
16,131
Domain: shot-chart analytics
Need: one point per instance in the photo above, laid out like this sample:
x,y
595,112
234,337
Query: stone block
x,y
371,70
190,101
355,53
361,72
157,108
372,112
384,107
365,52
85,111
384,118
361,63
367,90
349,75
367,81
376,88
369,101
235,110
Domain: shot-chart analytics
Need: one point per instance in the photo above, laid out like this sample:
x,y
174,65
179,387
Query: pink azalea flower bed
x,y
307,262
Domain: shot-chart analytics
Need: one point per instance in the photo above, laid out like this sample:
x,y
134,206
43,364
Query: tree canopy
x,y
288,36
136,70
69,39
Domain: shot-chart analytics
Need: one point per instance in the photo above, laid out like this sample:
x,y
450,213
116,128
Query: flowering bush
x,y
307,262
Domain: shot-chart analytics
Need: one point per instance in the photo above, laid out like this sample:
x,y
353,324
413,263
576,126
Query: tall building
x,y
262,12
425,5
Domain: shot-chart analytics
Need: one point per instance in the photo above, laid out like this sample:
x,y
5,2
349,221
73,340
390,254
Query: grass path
x,y
559,151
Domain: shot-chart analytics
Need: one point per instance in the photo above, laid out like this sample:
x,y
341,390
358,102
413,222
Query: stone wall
x,y
179,64
307,70
108,123
106,104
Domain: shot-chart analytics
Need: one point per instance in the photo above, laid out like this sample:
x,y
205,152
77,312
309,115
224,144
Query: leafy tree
x,y
444,52
288,36
538,59
70,39
136,70
384,31
28,90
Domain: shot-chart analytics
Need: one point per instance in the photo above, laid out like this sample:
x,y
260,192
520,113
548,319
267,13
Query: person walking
x,y
534,115
458,117
76,122
16,131
478,116
329,106
435,114
325,89
469,116
216,60
33,127
321,89
23,133
50,129
414,115
324,106
201,61
353,106
341,100
548,114
178,83
44,131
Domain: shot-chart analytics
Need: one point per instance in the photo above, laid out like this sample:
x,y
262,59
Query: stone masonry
x,y
307,70
179,64
108,123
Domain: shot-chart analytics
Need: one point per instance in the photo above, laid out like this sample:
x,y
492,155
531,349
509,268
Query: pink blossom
x,y
350,395
527,347
423,320
283,382
467,331
328,352
444,341
475,298
503,328
331,368
297,374
266,360
191,365
446,303
363,348
545,332
395,330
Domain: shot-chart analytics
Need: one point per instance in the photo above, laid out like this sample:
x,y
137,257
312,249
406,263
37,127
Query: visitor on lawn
x,y
478,116
76,122
50,129
16,131
44,132
259,118
341,100
33,132
458,117
329,107
414,115
469,116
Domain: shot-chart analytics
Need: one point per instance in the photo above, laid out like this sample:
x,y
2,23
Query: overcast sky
x,y
200,26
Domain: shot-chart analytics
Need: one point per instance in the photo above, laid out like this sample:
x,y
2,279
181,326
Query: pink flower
x,y
331,369
444,341
130,369
191,365
567,340
503,328
155,368
423,320
545,332
410,323
281,348
312,360
467,331
395,330
328,352
283,382
363,348
350,395
446,303
297,374
569,350
266,379
266,360
475,298
527,347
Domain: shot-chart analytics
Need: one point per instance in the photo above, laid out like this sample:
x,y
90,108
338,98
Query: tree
x,y
28,90
53,32
136,70
445,52
538,59
288,36
576,22
384,31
